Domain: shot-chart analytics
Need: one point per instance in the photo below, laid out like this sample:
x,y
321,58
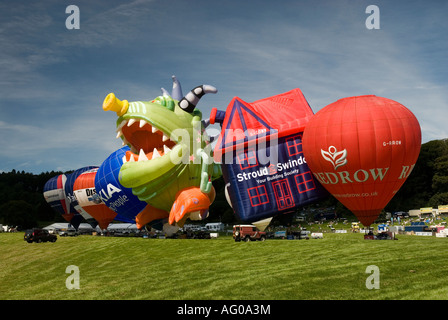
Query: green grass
x,y
115,268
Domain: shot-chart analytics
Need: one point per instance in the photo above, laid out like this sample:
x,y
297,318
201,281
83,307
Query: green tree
x,y
438,199
426,180
440,178
18,213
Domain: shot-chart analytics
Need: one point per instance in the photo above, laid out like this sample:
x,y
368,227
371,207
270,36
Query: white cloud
x,y
112,26
335,61
251,50
67,145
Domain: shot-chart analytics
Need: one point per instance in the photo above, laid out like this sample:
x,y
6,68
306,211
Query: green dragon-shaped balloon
x,y
169,166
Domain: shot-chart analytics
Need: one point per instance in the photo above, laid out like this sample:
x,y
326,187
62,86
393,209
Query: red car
x,y
248,232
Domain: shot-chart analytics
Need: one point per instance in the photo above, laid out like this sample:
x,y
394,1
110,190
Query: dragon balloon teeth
x,y
146,141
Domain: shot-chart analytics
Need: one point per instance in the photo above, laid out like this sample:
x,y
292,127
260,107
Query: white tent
x,y
62,226
87,228
122,227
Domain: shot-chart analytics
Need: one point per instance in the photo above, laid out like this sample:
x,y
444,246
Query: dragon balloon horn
x,y
167,166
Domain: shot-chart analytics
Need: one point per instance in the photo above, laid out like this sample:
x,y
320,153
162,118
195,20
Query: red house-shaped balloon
x,y
260,151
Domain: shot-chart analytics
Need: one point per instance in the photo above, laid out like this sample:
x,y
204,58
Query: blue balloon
x,y
114,195
54,194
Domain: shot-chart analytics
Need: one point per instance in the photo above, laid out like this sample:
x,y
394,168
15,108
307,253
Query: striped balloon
x,y
88,199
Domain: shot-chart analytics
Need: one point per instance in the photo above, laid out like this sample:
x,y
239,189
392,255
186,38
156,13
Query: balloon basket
x,y
380,236
369,237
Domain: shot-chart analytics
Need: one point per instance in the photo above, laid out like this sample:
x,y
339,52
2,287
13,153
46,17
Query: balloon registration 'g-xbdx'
x,y
362,149
167,166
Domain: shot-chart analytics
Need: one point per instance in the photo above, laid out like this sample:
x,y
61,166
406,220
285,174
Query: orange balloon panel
x,y
362,149
85,192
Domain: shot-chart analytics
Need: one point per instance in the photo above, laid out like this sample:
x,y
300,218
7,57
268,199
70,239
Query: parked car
x,y
39,235
69,232
244,232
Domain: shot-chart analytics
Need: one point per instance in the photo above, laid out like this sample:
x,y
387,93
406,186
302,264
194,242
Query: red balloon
x,y
88,199
362,149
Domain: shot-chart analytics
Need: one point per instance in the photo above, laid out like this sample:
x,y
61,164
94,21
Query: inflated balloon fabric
x,y
362,149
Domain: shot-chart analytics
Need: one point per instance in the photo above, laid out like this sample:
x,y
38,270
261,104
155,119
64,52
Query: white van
x,y
218,226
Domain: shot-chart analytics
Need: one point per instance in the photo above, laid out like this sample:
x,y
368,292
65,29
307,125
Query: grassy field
x,y
115,268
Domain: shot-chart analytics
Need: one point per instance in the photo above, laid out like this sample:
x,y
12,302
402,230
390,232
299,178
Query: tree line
x,y
21,199
22,203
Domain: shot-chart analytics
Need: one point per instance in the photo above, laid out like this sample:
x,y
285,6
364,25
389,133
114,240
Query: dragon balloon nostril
x,y
114,104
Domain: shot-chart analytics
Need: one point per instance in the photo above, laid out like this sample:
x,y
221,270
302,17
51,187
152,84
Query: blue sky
x,y
54,80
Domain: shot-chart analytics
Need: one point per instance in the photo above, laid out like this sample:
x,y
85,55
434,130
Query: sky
x,y
54,79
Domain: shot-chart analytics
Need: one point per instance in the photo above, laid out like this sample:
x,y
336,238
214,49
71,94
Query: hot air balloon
x,y
55,196
167,164
74,208
88,199
362,149
260,148
114,195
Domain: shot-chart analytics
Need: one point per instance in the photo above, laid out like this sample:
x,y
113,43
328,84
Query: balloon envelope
x,y
74,207
88,199
55,196
115,196
362,149
260,148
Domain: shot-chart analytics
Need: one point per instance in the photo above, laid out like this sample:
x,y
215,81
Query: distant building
x,y
443,209
218,226
87,228
65,226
